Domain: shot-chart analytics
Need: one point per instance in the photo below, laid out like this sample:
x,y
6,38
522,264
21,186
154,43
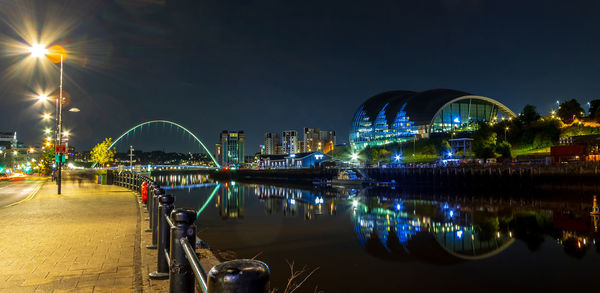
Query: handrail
x,y
170,222
167,257
195,263
176,254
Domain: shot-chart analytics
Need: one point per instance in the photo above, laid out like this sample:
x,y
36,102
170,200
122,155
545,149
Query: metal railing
x,y
174,237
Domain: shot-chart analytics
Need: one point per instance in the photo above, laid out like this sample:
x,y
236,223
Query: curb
x,y
30,196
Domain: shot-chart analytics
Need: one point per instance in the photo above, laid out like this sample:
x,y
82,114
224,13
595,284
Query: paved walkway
x,y
85,240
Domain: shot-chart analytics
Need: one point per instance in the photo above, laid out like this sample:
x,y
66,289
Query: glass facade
x,y
464,115
459,116
364,132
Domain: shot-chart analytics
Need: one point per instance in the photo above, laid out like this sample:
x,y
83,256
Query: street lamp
x,y
42,97
38,51
505,130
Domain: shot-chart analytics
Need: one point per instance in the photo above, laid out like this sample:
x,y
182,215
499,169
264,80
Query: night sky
x,y
273,65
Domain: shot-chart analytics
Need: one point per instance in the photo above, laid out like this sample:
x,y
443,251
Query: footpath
x,y
85,240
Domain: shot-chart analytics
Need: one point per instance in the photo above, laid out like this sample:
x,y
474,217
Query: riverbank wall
x,y
501,178
300,176
547,177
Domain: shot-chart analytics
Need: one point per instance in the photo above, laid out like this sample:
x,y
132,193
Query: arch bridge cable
x,y
171,123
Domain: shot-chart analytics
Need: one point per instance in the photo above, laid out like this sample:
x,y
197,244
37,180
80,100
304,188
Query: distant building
x,y
8,140
318,140
297,160
289,142
400,116
577,148
272,144
230,149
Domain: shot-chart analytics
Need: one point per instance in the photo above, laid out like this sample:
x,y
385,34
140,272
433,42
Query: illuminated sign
x,y
318,157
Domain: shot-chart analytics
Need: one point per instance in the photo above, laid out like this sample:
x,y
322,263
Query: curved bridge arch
x,y
166,122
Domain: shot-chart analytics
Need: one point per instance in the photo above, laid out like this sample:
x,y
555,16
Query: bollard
x,y
154,217
181,276
242,275
164,231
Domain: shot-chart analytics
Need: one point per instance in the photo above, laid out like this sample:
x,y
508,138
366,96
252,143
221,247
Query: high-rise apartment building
x,y
230,149
318,140
272,144
289,142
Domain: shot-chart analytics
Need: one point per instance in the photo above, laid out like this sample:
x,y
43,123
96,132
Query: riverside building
x,y
272,144
318,140
230,149
399,116
289,142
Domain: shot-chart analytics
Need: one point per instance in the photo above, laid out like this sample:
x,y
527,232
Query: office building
x,y
8,140
230,149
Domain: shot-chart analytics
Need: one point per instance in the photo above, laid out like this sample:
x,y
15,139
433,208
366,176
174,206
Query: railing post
x,y
154,217
151,188
242,275
164,231
137,183
181,276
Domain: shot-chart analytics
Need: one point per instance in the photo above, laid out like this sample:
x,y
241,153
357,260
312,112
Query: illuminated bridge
x,y
170,123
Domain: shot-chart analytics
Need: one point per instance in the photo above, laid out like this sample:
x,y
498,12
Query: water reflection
x,y
439,230
401,227
183,181
231,201
294,201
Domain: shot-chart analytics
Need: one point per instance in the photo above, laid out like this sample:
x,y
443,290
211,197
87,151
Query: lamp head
x,y
38,50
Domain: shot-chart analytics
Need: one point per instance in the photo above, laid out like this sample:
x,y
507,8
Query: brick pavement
x,y
81,241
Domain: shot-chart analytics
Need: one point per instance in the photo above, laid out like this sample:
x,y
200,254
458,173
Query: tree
x,y
378,155
568,110
46,159
101,153
484,142
529,114
504,150
595,110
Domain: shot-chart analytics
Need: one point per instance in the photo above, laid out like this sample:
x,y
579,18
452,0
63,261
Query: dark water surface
x,y
380,240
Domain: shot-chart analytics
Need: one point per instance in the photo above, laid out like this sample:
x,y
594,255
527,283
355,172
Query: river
x,y
383,240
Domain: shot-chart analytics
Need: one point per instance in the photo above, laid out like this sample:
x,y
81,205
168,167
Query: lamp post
x,y
505,130
37,51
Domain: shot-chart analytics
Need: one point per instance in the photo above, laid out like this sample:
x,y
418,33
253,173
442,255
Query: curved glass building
x,y
398,116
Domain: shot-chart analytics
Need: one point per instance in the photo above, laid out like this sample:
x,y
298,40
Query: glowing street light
x,y
354,156
38,50
42,97
47,116
47,130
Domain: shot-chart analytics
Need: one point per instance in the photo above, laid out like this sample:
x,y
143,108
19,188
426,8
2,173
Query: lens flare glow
x,y
38,50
